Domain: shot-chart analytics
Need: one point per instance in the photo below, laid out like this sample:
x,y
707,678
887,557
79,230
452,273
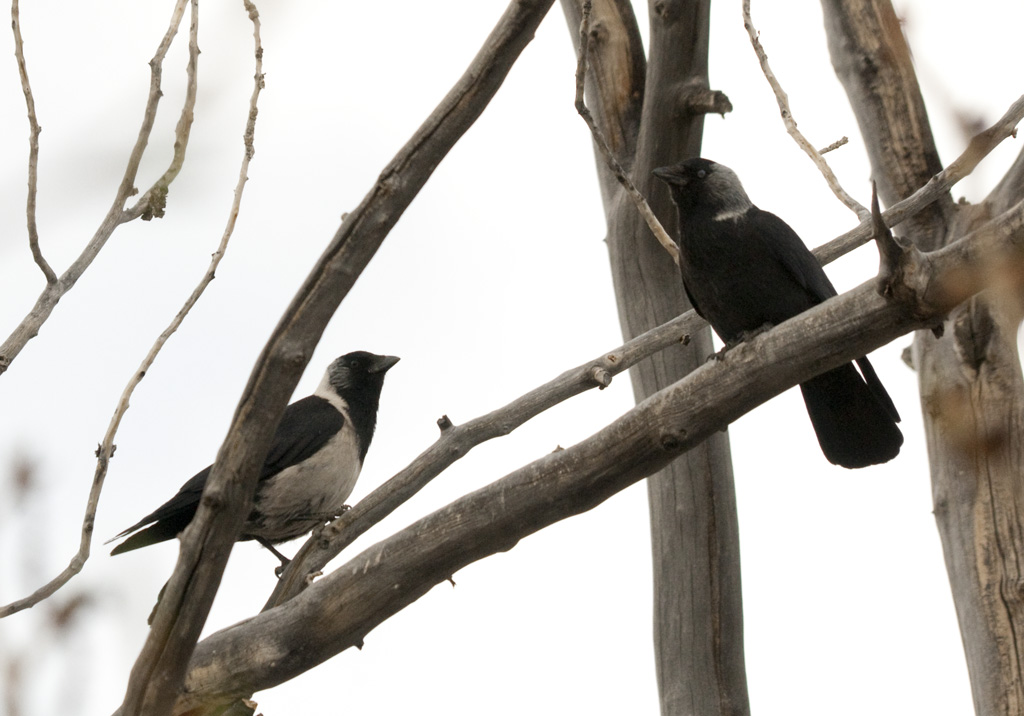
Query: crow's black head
x,y
359,375
701,185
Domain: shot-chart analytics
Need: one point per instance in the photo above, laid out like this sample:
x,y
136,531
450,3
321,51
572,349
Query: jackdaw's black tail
x,y
853,416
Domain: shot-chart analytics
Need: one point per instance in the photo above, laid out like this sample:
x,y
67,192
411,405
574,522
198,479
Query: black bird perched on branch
x,y
312,466
744,269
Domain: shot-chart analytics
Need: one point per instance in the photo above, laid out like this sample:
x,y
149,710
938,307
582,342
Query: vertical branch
x,y
33,148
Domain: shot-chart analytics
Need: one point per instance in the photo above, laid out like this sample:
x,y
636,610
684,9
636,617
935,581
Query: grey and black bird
x,y
744,269
313,463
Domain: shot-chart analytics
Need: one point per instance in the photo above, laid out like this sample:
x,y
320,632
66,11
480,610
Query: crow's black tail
x,y
855,420
165,529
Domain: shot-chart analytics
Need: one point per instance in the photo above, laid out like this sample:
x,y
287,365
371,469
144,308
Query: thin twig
x,y
116,215
153,202
33,148
842,141
787,117
602,143
106,448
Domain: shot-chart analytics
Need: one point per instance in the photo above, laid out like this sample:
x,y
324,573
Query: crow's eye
x,y
701,173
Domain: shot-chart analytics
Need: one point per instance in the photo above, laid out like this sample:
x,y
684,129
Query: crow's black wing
x,y
792,253
305,426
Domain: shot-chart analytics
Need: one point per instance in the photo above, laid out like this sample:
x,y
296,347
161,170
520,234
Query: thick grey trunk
x,y
972,392
698,620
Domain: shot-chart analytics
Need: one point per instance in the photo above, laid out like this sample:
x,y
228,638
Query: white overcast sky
x,y
494,281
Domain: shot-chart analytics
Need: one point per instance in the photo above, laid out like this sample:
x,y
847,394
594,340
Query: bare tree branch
x,y
338,611
457,440
614,82
106,448
206,543
935,189
33,148
787,118
151,204
841,142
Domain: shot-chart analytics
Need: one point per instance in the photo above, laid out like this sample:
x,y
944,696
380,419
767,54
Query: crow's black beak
x,y
383,363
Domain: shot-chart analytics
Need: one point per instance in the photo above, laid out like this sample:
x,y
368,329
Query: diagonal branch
x,y
787,118
206,543
33,148
116,215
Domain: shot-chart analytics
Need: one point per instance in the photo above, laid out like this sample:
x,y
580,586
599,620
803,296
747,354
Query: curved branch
x,y
33,147
605,150
614,81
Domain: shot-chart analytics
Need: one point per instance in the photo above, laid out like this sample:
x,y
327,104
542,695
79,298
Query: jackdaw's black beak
x,y
670,175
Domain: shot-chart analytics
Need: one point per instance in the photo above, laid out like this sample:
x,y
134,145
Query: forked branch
x,y
151,202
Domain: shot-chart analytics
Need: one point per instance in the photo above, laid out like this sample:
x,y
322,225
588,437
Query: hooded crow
x,y
312,466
